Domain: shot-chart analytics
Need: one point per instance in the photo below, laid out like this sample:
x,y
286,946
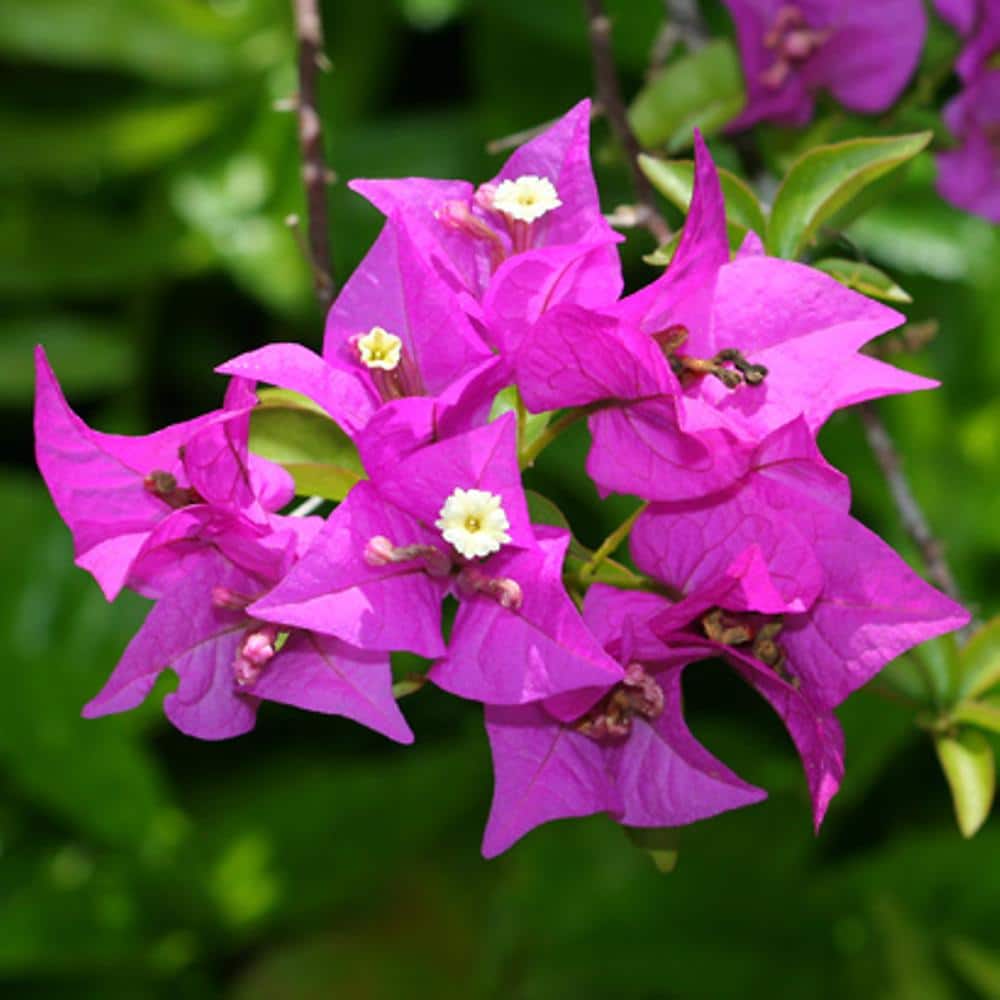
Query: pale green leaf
x,y
968,763
660,843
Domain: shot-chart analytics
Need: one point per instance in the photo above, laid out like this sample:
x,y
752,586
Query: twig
x,y
610,544
309,32
914,521
610,95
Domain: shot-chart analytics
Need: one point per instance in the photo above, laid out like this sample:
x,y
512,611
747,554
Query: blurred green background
x,y
145,176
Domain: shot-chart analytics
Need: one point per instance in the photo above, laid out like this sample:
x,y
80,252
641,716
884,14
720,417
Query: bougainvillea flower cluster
x,y
969,174
482,322
862,53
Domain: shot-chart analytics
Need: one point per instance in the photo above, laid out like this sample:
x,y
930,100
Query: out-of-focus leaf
x,y
823,181
979,660
978,965
62,640
132,139
864,278
675,180
291,430
172,41
969,765
89,355
232,208
703,89
430,14
660,843
54,249
984,713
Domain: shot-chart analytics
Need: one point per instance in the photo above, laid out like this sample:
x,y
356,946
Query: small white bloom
x,y
474,522
526,199
380,349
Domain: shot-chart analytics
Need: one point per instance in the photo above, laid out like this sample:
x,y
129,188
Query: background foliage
x,y
145,177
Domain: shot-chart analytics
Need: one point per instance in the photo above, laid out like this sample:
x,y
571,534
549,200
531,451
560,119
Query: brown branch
x,y
913,518
309,33
610,95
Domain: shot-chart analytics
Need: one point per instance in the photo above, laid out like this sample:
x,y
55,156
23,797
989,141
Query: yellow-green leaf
x,y
969,765
674,179
864,278
660,843
980,660
293,431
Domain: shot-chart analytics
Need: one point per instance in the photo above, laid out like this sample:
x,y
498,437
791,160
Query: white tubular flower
x,y
474,522
380,349
526,199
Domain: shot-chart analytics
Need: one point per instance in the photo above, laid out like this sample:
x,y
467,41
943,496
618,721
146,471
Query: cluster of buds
x,y
482,322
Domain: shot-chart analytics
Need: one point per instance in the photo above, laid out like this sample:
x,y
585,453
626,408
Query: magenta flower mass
x,y
478,315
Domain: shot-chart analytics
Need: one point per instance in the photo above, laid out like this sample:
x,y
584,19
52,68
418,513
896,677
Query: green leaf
x,y
701,90
979,661
674,179
985,713
506,401
969,765
864,278
660,843
542,510
293,431
978,965
825,179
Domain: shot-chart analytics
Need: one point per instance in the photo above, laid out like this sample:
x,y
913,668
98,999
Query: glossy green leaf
x,y
674,179
660,843
968,763
825,179
703,89
291,430
864,278
979,661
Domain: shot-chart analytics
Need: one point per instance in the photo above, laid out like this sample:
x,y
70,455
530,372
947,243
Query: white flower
x,y
526,199
473,522
380,349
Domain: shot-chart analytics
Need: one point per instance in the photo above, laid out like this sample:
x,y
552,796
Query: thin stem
x,y
307,506
910,512
610,544
610,95
531,452
309,32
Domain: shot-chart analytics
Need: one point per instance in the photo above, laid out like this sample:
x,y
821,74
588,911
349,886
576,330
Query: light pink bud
x,y
223,597
244,672
379,551
258,647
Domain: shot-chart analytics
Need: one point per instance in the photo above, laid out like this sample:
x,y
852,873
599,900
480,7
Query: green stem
x,y
610,544
530,453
